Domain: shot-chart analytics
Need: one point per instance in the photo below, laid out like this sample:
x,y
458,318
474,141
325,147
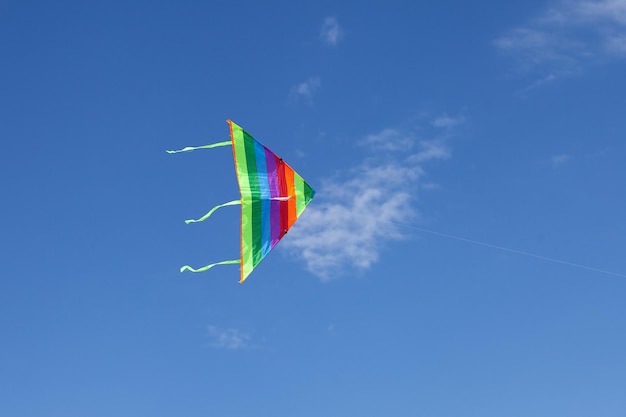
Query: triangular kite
x,y
273,196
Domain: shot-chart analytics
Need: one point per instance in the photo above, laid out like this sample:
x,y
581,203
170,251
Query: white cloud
x,y
431,149
567,37
228,338
331,32
558,160
430,186
306,89
581,11
616,45
389,140
354,216
447,121
538,83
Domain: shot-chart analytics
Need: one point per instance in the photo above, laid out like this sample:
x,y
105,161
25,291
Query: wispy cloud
x,y
306,89
228,338
356,214
567,37
558,160
447,121
389,140
431,149
331,32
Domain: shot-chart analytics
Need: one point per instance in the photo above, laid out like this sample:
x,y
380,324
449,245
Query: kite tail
x,y
206,216
193,148
205,268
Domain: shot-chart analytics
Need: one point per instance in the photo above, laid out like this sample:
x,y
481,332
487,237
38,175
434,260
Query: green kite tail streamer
x,y
193,148
206,216
205,268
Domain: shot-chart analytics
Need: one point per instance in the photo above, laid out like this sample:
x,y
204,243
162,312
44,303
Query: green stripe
x,y
308,194
255,191
246,200
298,183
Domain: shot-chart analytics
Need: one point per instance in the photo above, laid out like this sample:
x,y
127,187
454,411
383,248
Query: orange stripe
x,y
291,188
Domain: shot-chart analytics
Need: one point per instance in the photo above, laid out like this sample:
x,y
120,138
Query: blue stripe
x,y
264,188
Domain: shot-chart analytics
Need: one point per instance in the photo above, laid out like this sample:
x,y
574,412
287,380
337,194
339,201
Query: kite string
x,y
515,251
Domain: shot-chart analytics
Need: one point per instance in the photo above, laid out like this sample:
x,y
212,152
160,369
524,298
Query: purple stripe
x,y
272,176
264,195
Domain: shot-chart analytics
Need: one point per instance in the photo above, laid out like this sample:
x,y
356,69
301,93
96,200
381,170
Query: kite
x,y
273,196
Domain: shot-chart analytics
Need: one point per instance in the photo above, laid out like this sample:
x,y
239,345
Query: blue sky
x,y
502,123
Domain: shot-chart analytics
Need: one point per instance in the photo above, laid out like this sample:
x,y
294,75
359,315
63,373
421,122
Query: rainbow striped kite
x,y
273,196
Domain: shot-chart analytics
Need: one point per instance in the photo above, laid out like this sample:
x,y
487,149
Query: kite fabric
x,y
273,196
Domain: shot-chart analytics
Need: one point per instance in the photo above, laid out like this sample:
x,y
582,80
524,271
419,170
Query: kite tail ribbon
x,y
205,268
206,216
193,148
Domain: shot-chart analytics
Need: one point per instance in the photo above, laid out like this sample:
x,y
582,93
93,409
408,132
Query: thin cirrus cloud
x,y
306,89
228,338
447,121
357,214
566,38
559,160
331,33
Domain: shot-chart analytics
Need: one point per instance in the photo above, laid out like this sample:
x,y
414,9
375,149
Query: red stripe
x,y
284,192
291,191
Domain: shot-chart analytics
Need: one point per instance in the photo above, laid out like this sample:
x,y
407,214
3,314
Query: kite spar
x,y
273,196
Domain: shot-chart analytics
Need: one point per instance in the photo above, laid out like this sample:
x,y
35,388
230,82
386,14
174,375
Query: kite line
x,y
515,251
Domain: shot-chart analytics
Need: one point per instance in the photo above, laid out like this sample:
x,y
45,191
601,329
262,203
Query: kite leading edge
x,y
273,196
